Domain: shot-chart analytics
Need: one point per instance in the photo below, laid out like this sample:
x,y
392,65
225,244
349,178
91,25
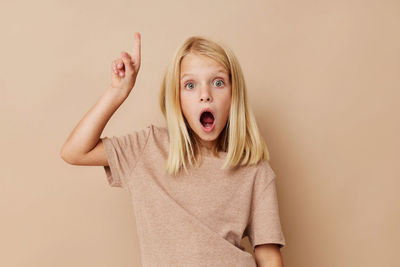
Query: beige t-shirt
x,y
197,219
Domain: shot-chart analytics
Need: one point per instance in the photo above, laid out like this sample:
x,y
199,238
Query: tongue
x,y
207,119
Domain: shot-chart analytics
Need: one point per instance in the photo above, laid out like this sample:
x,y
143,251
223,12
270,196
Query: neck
x,y
206,144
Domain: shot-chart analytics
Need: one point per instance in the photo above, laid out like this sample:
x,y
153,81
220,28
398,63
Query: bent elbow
x,y
66,157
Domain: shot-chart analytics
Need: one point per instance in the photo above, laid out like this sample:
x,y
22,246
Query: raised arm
x,y
83,146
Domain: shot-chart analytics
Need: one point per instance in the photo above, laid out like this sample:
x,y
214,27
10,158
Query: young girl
x,y
200,184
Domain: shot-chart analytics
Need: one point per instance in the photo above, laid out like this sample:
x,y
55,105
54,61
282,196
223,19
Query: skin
x,y
204,83
125,69
268,255
83,145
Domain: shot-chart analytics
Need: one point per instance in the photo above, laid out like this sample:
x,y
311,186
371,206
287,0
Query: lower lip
x,y
207,130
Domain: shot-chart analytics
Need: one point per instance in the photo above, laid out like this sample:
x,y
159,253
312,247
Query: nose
x,y
207,99
205,95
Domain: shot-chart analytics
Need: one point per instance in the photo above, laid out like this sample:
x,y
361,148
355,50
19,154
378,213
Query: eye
x,y
187,84
220,81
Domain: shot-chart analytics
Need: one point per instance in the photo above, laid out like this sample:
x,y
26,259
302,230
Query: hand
x,y
125,69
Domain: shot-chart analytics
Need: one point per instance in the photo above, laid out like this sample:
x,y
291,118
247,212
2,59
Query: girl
x,y
200,184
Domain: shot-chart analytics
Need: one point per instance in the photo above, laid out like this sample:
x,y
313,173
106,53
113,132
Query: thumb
x,y
126,58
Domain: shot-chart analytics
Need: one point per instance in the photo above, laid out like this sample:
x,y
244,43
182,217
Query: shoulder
x,y
158,132
266,168
264,174
262,167
157,138
158,129
259,174
149,134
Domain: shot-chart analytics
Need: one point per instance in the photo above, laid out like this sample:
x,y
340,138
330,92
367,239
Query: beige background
x,y
323,81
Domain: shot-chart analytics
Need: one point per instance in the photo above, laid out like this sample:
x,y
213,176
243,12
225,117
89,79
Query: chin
x,y
209,136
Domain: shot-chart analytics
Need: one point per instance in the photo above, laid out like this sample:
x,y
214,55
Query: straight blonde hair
x,y
240,138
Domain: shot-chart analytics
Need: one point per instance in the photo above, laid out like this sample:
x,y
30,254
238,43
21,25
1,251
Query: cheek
x,y
183,99
185,106
227,103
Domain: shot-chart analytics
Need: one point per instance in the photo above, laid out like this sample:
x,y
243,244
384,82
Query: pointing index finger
x,y
136,54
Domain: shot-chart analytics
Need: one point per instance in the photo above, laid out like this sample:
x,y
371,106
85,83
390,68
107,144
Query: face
x,y
204,83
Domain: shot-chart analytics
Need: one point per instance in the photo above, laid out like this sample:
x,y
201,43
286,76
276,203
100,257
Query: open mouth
x,y
207,119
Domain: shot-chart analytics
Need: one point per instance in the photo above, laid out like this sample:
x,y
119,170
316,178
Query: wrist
x,y
117,93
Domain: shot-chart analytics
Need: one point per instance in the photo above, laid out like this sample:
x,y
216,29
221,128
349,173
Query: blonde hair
x,y
240,138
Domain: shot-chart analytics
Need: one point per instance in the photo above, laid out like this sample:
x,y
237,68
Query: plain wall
x,y
323,82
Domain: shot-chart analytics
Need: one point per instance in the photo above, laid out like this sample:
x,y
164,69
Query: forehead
x,y
193,64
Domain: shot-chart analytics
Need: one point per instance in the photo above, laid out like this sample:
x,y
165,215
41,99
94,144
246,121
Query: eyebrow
x,y
219,71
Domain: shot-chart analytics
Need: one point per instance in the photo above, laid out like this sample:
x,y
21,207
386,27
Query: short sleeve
x,y
123,152
264,223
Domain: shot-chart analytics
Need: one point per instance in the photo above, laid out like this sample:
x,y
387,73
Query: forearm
x,y
86,133
275,262
268,255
